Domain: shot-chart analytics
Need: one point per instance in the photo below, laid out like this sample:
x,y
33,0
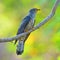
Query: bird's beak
x,y
38,9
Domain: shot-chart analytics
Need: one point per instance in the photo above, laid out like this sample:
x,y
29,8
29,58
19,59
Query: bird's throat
x,y
32,15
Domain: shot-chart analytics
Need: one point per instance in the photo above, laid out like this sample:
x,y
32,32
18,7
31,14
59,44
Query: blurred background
x,y
43,43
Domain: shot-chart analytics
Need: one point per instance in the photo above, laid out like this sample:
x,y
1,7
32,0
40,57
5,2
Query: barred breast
x,y
29,26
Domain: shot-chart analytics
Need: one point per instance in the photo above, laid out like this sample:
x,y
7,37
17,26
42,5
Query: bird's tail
x,y
20,47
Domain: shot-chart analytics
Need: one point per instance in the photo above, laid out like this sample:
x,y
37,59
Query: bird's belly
x,y
29,26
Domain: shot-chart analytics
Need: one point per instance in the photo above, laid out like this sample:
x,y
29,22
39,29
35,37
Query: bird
x,y
26,24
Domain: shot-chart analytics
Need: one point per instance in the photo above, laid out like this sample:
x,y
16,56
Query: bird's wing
x,y
24,23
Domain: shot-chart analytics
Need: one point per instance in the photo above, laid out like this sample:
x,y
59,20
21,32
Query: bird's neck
x,y
32,15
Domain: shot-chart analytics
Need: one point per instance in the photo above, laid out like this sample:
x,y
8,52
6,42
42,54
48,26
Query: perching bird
x,y
26,25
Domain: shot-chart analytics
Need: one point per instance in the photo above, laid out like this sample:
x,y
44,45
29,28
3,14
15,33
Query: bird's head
x,y
34,10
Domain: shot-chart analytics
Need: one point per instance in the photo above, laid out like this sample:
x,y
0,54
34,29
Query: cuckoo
x,y
26,24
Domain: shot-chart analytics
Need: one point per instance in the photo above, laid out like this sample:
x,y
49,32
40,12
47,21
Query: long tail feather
x,y
20,47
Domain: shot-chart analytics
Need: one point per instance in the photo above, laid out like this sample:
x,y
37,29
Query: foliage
x,y
42,41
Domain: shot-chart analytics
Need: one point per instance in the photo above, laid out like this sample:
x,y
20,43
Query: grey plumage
x,y
23,25
26,25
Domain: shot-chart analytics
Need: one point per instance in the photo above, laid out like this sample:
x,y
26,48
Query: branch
x,y
36,27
